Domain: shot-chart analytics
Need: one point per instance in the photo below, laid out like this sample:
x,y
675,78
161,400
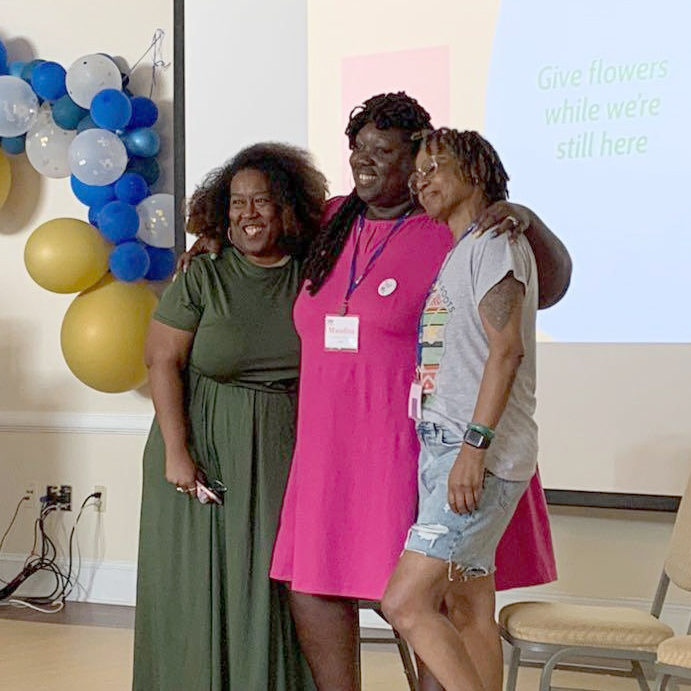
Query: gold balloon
x,y
66,255
5,178
103,334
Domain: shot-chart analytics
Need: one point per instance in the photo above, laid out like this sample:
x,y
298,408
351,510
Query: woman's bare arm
x,y
166,354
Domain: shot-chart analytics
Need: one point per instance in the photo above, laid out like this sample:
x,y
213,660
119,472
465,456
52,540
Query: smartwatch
x,y
476,438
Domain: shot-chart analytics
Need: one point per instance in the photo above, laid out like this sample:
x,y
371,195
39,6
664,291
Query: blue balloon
x,y
48,80
13,145
16,67
111,109
162,263
3,53
92,195
28,69
4,68
86,123
118,222
67,114
148,168
144,112
94,211
131,188
129,261
142,142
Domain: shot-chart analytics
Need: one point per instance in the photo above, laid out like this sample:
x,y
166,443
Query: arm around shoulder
x,y
553,261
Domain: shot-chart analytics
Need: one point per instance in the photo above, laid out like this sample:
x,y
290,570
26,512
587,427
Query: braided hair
x,y
385,111
476,158
297,189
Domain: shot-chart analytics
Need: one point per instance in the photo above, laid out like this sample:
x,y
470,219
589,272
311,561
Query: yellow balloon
x,y
66,255
103,334
5,178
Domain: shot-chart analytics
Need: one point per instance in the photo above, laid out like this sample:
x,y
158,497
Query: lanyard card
x,y
415,401
341,332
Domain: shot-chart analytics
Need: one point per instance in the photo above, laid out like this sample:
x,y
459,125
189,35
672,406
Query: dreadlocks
x,y
385,111
476,159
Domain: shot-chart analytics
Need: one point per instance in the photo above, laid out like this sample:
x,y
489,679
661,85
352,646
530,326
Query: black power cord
x,y
9,527
46,561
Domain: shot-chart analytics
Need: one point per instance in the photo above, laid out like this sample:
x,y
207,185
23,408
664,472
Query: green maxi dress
x,y
208,618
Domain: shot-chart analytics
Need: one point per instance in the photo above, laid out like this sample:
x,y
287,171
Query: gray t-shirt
x,y
454,349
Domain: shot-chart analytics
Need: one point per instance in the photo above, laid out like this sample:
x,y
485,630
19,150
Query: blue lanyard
x,y
418,345
354,282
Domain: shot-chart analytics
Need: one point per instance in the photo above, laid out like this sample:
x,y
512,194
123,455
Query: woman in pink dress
x,y
351,494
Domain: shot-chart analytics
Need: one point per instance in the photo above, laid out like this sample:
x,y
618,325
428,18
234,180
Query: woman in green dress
x,y
223,355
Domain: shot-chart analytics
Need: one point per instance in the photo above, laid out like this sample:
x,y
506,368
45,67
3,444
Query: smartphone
x,y
206,495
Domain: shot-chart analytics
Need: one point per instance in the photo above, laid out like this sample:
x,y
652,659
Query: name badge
x,y
341,333
415,401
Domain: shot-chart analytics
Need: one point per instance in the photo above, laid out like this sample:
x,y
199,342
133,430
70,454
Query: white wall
x,y
245,72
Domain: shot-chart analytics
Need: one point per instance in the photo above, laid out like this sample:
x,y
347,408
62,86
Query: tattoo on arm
x,y
500,301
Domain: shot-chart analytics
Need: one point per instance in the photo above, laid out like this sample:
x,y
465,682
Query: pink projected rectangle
x,y
422,73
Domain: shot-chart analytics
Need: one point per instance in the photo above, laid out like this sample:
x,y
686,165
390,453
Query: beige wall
x,y
37,392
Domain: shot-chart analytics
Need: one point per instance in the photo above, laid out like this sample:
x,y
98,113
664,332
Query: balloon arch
x,y
83,123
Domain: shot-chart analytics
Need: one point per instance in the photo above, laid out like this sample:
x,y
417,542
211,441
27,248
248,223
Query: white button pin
x,y
387,286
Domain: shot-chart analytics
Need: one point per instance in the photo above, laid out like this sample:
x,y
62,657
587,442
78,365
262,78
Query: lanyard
x,y
354,281
418,345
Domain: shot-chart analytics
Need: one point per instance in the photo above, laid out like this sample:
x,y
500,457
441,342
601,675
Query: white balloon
x,y
18,106
97,157
47,145
157,220
90,74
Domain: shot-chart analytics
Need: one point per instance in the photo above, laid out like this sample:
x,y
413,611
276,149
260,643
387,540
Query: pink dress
x,y
351,493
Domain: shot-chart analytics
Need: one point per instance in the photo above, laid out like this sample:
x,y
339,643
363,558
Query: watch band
x,y
484,430
476,438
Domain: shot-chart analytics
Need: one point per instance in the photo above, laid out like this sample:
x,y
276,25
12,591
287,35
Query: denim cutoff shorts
x,y
467,541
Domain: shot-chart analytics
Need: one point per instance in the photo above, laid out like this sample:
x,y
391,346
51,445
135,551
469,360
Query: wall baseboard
x,y
115,583
108,583
84,423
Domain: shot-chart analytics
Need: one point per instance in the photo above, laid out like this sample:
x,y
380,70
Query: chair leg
x,y
661,681
639,675
408,668
514,664
546,678
552,662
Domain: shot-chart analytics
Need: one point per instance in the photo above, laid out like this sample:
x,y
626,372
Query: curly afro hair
x,y
297,188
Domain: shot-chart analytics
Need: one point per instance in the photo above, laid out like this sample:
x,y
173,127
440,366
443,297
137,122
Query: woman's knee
x,y
401,606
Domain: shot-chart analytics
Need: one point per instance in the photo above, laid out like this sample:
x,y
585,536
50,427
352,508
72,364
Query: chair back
x,y
678,561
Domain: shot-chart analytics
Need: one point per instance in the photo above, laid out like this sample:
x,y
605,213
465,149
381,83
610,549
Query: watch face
x,y
476,439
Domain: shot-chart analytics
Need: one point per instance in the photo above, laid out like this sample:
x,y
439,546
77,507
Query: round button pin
x,y
387,286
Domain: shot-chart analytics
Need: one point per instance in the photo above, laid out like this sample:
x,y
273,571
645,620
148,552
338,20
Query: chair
x,y
403,650
563,631
673,660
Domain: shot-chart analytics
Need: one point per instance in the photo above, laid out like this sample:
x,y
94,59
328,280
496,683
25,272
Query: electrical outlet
x,y
65,498
30,496
101,501
61,496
